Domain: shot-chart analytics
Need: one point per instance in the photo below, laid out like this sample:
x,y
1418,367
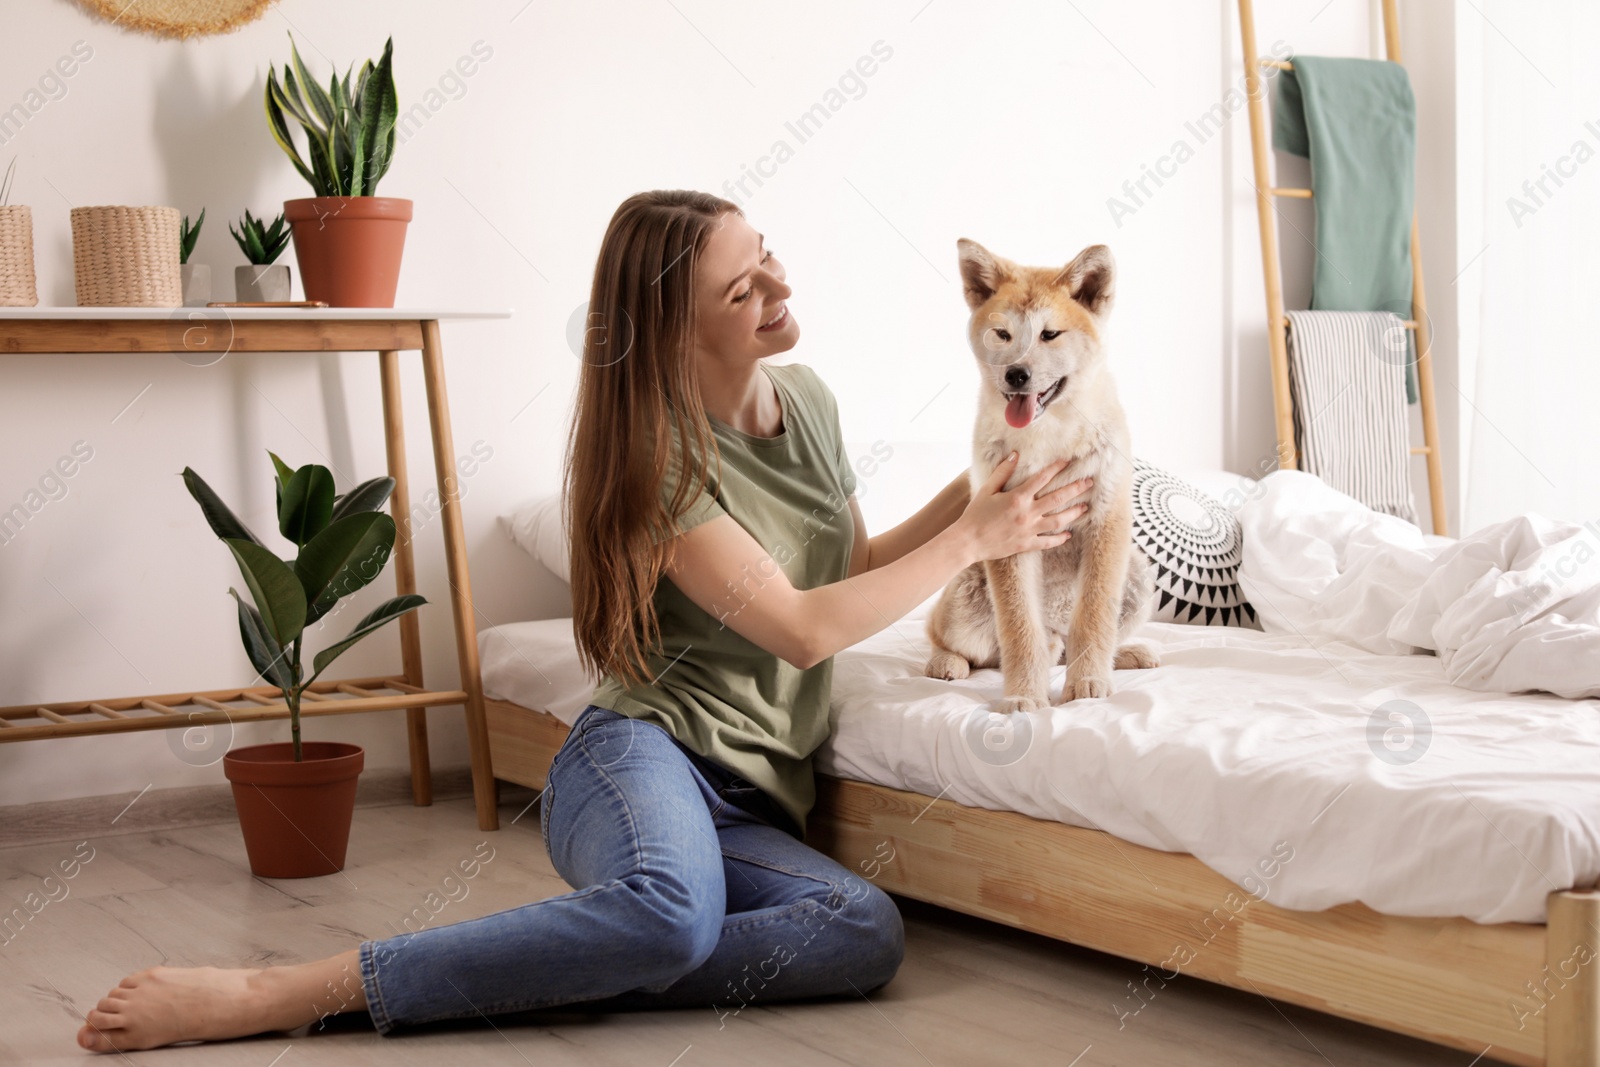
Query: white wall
x,y
1011,124
1530,135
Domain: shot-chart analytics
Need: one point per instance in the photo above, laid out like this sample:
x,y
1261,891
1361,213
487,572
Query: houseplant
x,y
263,281
196,276
347,240
296,798
18,287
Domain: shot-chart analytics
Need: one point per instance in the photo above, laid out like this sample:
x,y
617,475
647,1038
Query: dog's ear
x,y
982,272
1090,279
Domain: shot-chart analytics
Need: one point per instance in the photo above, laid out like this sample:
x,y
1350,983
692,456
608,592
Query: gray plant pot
x,y
261,284
196,284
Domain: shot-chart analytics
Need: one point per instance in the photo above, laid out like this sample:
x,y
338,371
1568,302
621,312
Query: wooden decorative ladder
x,y
1278,320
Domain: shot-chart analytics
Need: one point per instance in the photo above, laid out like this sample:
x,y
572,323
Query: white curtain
x,y
1532,412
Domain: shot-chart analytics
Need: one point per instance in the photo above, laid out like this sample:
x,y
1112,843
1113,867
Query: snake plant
x,y
342,542
349,130
260,243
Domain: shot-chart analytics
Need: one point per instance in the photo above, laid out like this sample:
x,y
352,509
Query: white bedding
x,y
1300,762
1512,607
1243,747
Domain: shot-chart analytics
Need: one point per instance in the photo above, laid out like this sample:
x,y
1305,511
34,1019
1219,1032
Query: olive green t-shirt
x,y
717,693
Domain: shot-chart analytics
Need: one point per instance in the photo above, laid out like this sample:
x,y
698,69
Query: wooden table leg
x,y
455,556
405,573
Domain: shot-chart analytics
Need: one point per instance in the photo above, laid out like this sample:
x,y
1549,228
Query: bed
x,y
1311,815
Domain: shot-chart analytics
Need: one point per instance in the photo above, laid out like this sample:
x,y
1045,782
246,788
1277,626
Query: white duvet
x,y
1513,607
1319,762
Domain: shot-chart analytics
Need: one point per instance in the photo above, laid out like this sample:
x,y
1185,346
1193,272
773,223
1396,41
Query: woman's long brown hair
x,y
638,403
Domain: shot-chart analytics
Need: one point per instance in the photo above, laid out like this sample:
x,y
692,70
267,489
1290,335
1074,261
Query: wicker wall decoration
x,y
179,18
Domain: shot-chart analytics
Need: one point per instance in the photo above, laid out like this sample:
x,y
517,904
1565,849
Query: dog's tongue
x,y
1020,409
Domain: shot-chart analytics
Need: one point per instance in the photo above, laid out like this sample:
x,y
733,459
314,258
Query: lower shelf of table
x,y
30,722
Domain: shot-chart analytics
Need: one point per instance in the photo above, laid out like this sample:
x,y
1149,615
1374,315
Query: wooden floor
x,y
969,992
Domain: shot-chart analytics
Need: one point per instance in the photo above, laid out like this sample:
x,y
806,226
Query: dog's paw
x,y
1136,657
1086,689
1007,704
947,665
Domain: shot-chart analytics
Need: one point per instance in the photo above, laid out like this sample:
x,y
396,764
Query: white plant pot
x,y
261,284
196,284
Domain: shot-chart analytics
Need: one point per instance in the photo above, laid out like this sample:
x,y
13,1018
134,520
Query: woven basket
x,y
126,257
17,285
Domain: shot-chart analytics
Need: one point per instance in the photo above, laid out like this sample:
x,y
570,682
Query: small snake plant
x,y
349,130
260,243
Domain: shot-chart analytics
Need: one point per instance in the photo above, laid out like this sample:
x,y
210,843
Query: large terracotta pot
x,y
295,817
349,247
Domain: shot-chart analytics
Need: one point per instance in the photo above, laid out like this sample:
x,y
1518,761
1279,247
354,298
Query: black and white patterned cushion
x,y
1195,544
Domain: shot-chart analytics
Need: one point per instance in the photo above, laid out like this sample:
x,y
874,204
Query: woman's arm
x,y
724,570
938,513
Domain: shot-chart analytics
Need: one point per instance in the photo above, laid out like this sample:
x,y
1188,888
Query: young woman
x,y
718,562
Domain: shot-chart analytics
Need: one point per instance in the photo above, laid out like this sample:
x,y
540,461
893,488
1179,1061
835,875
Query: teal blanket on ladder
x,y
1356,120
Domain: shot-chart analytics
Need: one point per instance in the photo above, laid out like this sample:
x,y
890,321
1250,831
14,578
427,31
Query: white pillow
x,y
537,529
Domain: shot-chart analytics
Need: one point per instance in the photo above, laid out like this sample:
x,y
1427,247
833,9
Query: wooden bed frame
x,y
1522,993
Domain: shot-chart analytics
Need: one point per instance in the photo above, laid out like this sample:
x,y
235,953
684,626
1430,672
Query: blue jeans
x,y
686,895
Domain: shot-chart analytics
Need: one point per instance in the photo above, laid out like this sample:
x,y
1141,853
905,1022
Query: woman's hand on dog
x,y
1002,522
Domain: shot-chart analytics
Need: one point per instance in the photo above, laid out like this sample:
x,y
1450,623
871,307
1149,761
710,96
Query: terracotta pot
x,y
295,816
349,247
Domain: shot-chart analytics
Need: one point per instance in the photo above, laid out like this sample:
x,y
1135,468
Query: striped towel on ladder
x,y
1347,380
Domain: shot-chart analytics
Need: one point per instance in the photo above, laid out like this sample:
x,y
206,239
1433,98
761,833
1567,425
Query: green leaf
x,y
273,586
319,99
339,153
325,180
275,239
222,520
338,131
189,236
380,615
331,181
358,150
375,131
291,100
307,503
284,471
265,654
280,132
247,241
343,558
370,495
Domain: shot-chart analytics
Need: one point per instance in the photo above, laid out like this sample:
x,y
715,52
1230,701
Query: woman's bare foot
x,y
162,1005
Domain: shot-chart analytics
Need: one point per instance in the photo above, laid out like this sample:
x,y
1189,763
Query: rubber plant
x,y
342,542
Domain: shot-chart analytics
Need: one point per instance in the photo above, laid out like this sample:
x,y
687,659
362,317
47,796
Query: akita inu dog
x,y
1048,395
